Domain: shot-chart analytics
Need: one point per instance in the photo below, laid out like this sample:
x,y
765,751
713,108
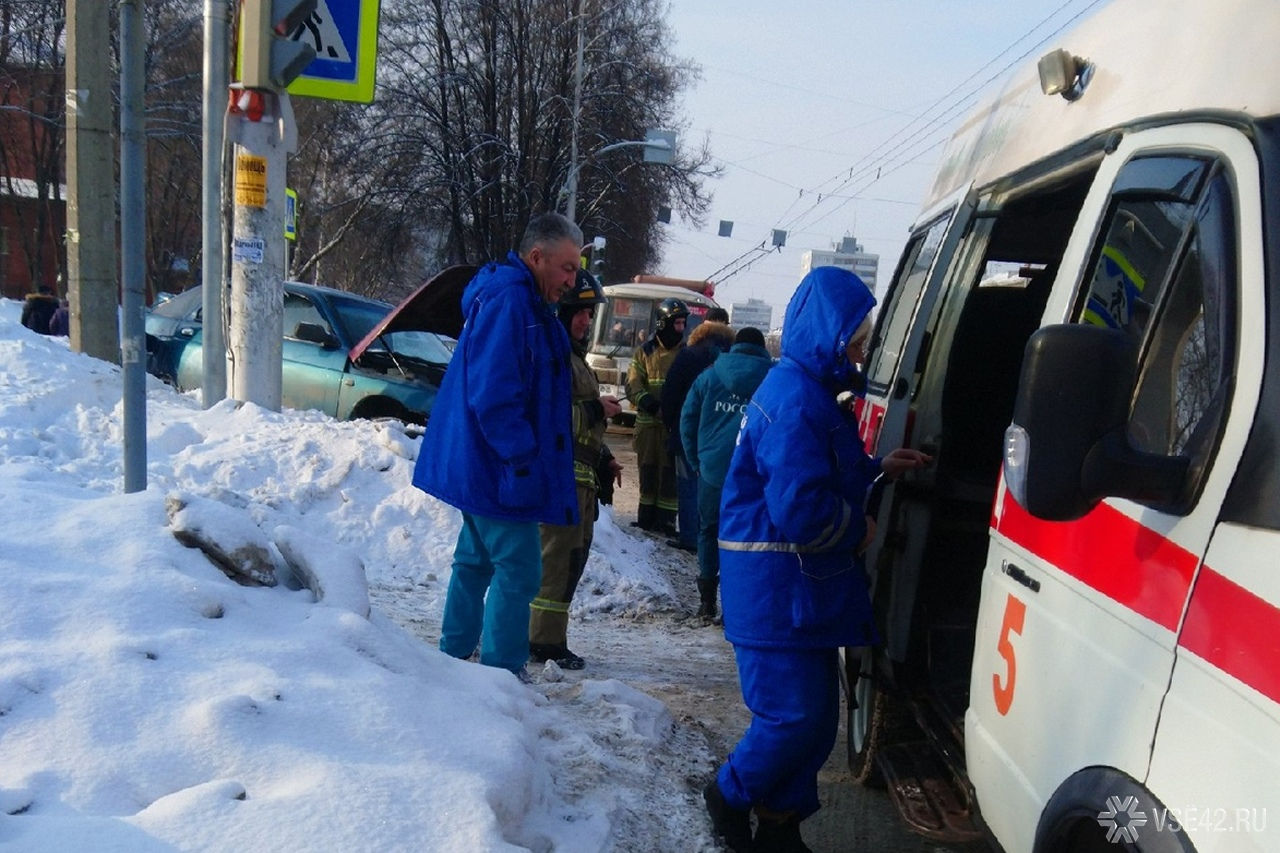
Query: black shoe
x,y
642,525
680,546
564,658
733,825
779,837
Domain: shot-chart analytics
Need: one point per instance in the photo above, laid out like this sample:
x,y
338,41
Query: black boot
x,y
733,825
646,517
773,836
707,594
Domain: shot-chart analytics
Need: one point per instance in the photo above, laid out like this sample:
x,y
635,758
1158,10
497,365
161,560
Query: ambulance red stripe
x,y
1112,553
1229,627
1235,631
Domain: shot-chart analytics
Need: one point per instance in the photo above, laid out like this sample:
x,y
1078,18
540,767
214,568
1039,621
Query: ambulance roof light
x,y
1064,73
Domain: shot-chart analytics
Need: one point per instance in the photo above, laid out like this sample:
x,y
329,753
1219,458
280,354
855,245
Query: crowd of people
x,y
747,460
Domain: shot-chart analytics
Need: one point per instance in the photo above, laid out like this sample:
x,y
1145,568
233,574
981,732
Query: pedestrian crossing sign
x,y
345,36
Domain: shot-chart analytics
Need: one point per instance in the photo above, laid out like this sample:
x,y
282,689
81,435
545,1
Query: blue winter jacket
x,y
791,516
499,441
713,410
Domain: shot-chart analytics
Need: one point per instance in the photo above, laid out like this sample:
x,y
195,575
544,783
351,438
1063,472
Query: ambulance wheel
x,y
865,713
1103,810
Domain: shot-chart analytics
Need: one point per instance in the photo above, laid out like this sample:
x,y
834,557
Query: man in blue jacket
x,y
499,444
709,425
792,585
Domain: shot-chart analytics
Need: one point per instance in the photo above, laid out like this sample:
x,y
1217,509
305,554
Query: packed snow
x,y
157,692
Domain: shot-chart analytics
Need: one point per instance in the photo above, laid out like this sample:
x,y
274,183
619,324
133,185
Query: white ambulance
x,y
1080,599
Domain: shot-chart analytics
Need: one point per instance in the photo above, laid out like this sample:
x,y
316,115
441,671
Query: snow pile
x,y
148,701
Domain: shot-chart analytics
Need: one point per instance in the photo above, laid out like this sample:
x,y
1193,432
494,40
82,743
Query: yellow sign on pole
x,y
251,180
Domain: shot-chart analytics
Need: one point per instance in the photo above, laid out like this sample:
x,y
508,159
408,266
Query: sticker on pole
x,y
251,180
248,250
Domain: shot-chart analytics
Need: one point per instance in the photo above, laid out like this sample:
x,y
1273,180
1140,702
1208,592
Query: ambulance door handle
x,y
1020,576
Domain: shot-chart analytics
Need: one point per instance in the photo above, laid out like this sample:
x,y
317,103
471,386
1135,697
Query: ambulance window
x,y
895,319
1184,376
1152,202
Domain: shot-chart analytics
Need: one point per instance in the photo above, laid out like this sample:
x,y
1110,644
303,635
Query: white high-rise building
x,y
847,255
754,312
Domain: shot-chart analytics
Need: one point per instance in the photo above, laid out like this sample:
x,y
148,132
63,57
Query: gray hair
x,y
547,229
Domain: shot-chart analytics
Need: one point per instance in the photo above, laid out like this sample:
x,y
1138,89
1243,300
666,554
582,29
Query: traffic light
x,y
597,257
269,59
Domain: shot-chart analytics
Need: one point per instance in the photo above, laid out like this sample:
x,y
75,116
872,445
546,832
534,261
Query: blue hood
x,y
822,316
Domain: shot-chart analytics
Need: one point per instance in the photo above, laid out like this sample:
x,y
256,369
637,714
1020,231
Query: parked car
x,y
346,355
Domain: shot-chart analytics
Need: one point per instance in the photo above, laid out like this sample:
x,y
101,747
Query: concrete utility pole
x,y
133,227
91,193
255,336
217,23
262,127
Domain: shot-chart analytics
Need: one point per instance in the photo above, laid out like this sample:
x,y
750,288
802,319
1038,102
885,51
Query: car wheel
x,y
376,408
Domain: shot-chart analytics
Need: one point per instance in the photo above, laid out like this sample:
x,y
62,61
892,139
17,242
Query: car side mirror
x,y
1067,447
314,333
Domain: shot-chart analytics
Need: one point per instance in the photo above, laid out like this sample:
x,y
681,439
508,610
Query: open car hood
x,y
436,306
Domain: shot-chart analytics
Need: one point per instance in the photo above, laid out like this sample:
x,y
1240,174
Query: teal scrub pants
x,y
497,570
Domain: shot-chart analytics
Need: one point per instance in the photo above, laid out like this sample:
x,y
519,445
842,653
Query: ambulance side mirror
x,y
1067,447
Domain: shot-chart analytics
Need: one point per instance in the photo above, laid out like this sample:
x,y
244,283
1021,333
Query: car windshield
x,y
359,317
179,306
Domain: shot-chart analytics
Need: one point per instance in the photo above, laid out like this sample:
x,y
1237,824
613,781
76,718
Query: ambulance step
x,y
923,791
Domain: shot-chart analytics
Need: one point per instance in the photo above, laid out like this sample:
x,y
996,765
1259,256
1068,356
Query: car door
x,y
312,372
1078,621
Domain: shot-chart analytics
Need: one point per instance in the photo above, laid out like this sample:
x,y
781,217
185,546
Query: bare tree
x,y
470,136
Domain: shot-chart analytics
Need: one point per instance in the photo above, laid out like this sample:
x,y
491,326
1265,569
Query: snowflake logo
x,y
1122,819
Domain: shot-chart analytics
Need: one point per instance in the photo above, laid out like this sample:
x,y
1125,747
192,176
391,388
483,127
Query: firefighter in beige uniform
x,y
565,547
649,365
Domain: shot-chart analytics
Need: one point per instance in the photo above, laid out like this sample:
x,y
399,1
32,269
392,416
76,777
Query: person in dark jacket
x,y
709,426
38,310
565,547
712,337
60,322
792,586
499,443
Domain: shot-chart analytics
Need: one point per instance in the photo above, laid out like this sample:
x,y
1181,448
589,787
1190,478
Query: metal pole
x,y
571,186
133,267
217,21
92,292
263,122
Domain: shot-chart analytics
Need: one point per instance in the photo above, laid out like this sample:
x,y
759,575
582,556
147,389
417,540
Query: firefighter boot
x,y
646,517
707,594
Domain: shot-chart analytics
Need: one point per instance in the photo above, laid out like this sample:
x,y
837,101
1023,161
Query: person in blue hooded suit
x,y
793,589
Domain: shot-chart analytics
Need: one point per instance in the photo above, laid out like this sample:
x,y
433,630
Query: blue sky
x,y
797,98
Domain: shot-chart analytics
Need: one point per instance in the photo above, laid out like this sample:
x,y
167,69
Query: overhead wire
x,y
886,157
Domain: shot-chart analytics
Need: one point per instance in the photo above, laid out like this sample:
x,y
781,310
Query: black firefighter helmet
x,y
670,310
586,293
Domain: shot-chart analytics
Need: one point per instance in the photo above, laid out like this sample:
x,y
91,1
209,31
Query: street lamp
x,y
659,147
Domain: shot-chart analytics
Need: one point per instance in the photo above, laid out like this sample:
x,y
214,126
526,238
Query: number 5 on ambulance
x,y
1080,600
